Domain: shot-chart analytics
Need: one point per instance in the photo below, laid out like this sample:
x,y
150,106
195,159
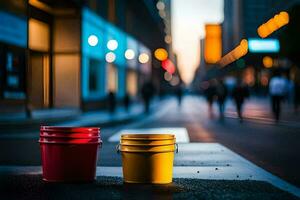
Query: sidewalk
x,y
69,117
201,171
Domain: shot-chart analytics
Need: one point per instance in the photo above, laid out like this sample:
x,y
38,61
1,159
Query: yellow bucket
x,y
147,158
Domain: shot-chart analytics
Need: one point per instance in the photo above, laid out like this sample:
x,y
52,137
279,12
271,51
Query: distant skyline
x,y
188,20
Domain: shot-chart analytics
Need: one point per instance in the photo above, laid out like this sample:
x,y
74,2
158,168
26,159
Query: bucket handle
x,y
118,148
176,148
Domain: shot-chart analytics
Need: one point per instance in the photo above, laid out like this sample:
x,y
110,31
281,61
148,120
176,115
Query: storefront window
x,y
112,78
94,75
12,74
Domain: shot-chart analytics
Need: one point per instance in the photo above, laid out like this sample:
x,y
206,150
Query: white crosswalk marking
x,y
181,134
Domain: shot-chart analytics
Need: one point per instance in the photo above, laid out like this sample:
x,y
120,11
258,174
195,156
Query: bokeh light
x,y
268,62
175,81
168,39
161,54
143,58
160,5
112,45
273,24
93,40
238,52
129,54
167,76
110,57
168,65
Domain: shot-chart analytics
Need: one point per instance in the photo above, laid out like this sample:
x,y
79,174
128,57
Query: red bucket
x,y
69,154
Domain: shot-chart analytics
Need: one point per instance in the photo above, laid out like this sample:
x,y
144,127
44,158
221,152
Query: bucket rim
x,y
69,137
148,136
70,143
69,129
148,151
148,145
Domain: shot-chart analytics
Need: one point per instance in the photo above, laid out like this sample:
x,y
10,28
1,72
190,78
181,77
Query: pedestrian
x,y
127,101
277,90
210,93
240,93
221,92
296,96
111,102
179,94
147,92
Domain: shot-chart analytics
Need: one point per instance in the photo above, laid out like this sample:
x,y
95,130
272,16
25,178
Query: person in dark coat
x,y
296,96
147,92
179,94
240,93
111,102
126,101
210,94
222,92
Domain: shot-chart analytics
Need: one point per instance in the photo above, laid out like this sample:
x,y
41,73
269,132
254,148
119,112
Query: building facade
x,y
71,54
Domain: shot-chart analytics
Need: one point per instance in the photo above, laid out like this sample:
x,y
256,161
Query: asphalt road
x,y
274,147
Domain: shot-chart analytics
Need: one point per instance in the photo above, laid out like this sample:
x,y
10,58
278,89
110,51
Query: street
x,y
273,147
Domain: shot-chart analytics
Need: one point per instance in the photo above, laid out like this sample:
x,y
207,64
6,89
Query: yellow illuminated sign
x,y
213,43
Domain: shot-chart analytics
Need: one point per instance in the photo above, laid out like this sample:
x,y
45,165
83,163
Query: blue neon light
x,y
13,29
263,45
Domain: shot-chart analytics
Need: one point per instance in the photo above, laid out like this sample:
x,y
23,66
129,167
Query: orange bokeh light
x,y
161,54
213,43
268,62
273,24
235,54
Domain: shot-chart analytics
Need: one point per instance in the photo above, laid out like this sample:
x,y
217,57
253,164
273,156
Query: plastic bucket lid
x,y
69,132
58,129
147,136
147,149
68,135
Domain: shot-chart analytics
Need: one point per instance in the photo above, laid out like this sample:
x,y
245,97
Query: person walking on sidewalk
x,y
147,92
111,102
240,93
179,94
277,90
127,101
210,93
222,92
